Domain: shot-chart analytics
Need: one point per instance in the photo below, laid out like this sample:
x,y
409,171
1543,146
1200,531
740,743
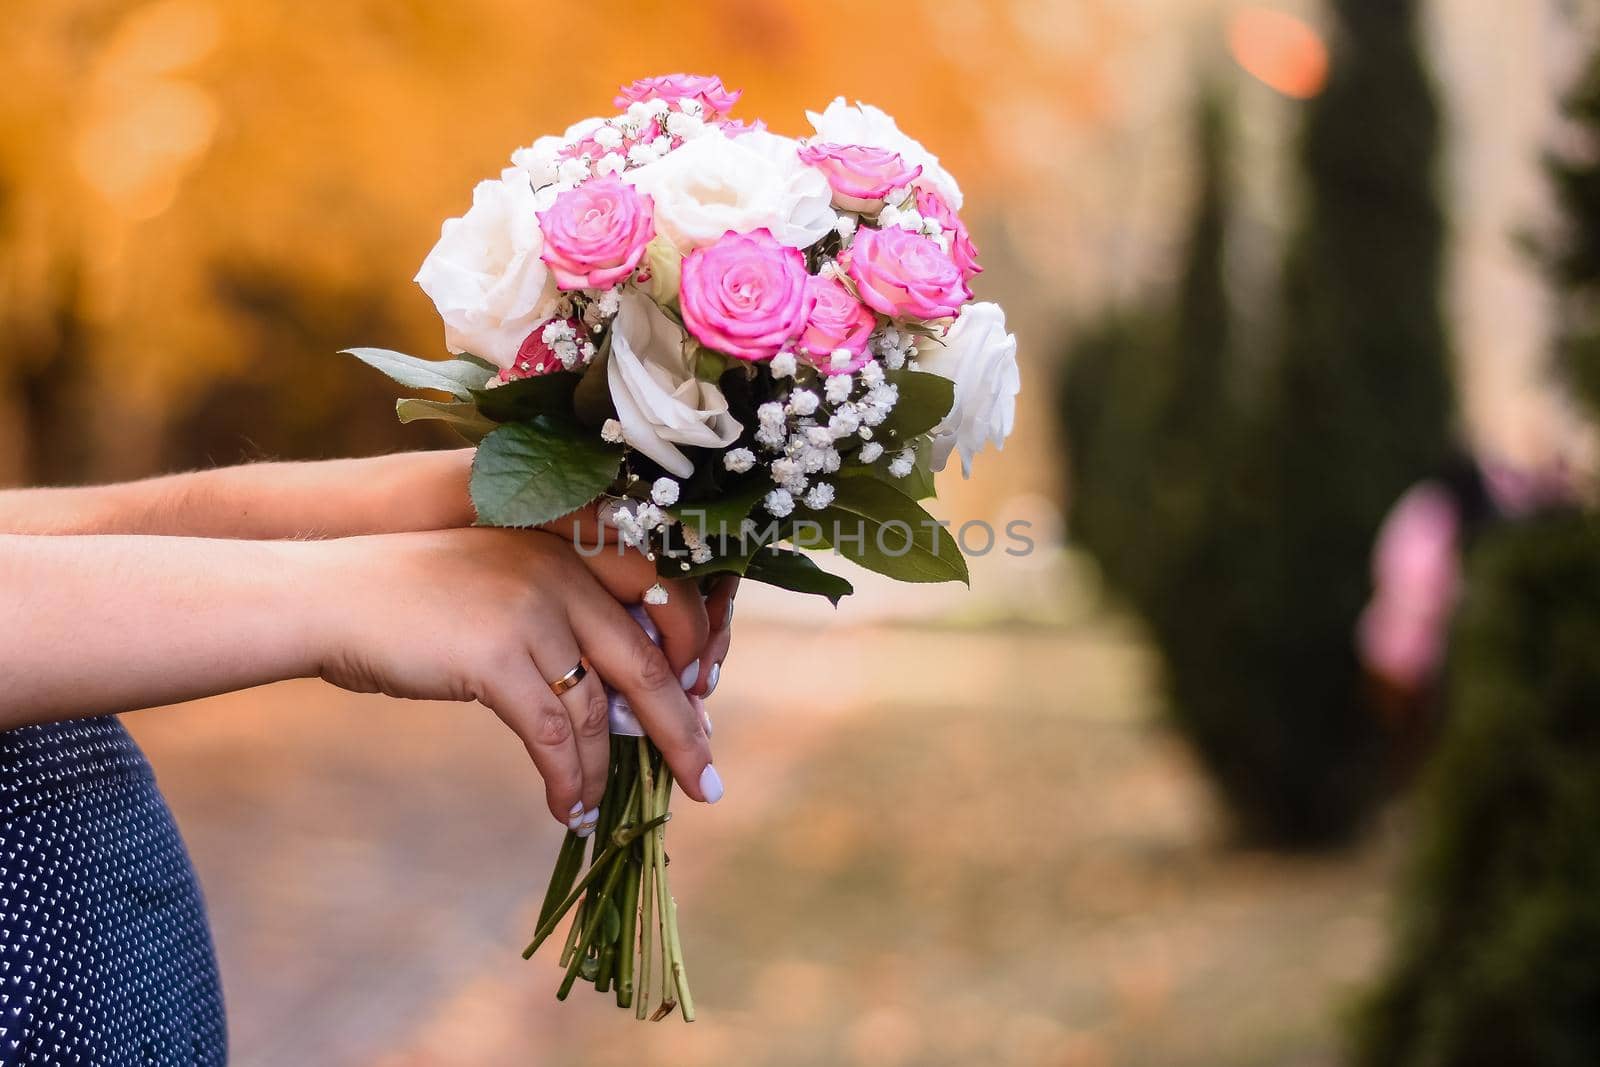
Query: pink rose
x,y
930,205
861,175
707,89
837,320
536,357
746,295
904,275
595,234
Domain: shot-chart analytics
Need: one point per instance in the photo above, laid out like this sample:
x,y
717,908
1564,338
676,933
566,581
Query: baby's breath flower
x,y
803,402
656,595
821,496
664,492
611,432
870,452
901,465
783,365
779,503
738,460
838,388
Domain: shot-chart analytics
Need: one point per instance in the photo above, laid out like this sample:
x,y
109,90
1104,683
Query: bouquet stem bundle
x,y
624,916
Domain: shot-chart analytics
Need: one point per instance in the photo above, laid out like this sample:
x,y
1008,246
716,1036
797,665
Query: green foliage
x,y
460,415
527,398
528,473
1496,962
458,377
1574,256
897,537
924,400
1231,491
797,573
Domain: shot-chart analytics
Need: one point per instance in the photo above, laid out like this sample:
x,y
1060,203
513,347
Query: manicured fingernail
x,y
590,818
727,620
690,674
699,705
575,816
711,682
711,784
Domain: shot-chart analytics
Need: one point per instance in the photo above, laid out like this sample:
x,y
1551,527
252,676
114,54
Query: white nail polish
x,y
711,784
711,682
690,674
588,821
575,816
705,717
727,620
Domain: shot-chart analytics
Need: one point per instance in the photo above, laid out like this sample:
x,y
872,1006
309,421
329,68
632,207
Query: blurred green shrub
x,y
1231,486
1498,961
1498,953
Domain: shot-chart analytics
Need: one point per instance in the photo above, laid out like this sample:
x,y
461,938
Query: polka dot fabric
x,y
105,956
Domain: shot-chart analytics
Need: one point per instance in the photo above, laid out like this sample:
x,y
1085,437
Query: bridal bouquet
x,y
748,346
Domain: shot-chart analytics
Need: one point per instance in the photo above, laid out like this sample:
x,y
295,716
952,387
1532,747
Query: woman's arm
x,y
98,624
402,493
399,493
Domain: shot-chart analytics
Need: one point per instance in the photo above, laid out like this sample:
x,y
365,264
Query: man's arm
x,y
263,501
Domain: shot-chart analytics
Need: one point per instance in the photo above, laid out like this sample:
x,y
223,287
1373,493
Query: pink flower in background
x,y
707,89
861,176
746,295
930,205
904,275
837,321
595,234
1416,577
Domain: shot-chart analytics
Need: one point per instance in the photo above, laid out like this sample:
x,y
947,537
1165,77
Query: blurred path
x,y
970,847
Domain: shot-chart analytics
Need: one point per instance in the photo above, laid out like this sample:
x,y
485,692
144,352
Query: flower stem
x,y
647,796
621,839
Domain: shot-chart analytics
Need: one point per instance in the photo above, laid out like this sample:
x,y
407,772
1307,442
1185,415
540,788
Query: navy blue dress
x,y
105,955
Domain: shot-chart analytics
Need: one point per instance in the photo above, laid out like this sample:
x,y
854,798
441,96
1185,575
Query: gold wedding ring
x,y
578,672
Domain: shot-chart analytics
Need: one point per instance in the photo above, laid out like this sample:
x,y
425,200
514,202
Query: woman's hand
x,y
496,616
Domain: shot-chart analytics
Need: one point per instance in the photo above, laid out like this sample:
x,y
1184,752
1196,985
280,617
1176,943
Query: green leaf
x,y
591,400
924,400
527,473
798,573
462,416
527,398
918,485
898,538
610,924
458,377
722,516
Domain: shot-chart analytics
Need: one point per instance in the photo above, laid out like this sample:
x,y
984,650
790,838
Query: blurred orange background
x,y
976,844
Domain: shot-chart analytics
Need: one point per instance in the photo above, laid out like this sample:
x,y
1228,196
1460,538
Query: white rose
x,y
485,275
867,125
981,358
659,401
716,183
